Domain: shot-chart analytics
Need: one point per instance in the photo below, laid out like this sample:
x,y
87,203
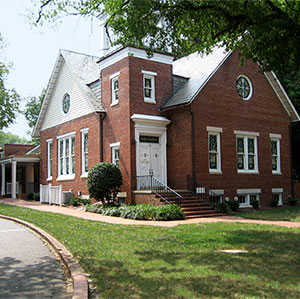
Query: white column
x,y
13,179
3,180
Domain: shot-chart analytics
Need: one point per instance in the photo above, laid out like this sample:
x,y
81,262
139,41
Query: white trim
x,y
85,130
217,192
114,100
277,190
278,170
68,177
66,135
214,129
149,73
49,140
152,125
84,175
137,53
275,136
114,75
248,191
29,159
32,151
49,162
152,89
83,133
115,144
251,87
245,133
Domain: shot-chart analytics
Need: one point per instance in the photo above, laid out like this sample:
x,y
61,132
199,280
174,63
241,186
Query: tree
x,y
33,107
9,99
104,181
267,31
11,139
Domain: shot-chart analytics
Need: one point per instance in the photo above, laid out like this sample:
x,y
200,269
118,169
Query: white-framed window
x,y
115,153
246,195
149,86
216,196
246,150
84,151
275,153
114,88
277,194
66,156
214,149
49,158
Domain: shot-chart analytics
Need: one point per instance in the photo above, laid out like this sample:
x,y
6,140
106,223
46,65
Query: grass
x,y
178,262
286,213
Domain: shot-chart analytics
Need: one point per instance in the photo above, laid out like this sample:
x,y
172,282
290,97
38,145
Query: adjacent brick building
x,y
200,120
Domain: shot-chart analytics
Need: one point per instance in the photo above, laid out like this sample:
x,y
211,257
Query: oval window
x,y
66,103
244,87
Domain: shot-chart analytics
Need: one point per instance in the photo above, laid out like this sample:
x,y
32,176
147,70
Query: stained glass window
x,y
50,149
66,156
214,154
246,153
149,87
275,155
244,87
66,103
115,90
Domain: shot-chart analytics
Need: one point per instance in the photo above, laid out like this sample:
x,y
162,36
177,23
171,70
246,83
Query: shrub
x,y
76,201
233,204
292,201
36,196
254,203
274,202
30,195
223,208
169,212
104,182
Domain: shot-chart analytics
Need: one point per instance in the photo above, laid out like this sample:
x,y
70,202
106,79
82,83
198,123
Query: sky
x,y
33,50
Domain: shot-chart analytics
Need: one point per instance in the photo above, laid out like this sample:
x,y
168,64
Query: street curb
x,y
80,284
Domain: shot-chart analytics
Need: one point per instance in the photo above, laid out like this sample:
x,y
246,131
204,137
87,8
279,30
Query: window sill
x,y
114,103
149,101
246,206
247,172
276,173
215,171
84,175
49,179
66,178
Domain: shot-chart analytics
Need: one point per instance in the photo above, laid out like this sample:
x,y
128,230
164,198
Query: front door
x,y
150,156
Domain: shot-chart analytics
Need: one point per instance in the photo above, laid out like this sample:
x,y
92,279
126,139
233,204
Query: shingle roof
x,y
199,69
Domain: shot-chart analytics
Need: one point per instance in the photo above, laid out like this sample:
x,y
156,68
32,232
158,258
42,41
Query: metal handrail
x,y
148,182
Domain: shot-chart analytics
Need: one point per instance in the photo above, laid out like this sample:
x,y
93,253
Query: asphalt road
x,y
28,269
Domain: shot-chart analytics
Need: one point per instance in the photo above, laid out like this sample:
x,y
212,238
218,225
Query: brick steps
x,y
194,207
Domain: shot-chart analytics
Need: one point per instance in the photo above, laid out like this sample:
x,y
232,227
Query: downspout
x,y
101,117
291,159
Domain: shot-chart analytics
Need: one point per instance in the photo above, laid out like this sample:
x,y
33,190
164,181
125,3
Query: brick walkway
x,y
117,220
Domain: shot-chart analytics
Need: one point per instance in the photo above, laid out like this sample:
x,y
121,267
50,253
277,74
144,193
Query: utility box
x,y
66,197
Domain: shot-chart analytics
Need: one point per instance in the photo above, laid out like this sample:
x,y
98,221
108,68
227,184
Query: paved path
x,y
117,220
27,267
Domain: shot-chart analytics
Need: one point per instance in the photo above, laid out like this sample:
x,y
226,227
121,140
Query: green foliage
x,y
222,207
9,98
274,202
265,31
76,201
254,203
233,204
140,211
9,138
36,196
29,195
104,182
292,201
32,108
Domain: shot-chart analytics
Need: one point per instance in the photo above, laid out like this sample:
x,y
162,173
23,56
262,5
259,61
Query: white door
x,y
150,159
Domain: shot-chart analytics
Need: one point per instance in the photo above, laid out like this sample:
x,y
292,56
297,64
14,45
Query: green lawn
x,y
179,262
276,214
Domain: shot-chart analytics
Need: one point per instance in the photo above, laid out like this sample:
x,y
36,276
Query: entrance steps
x,y
193,206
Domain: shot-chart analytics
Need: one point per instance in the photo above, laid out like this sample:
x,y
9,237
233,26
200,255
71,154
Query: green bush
x,y
274,202
233,204
140,212
29,195
104,182
76,201
292,201
223,208
254,203
36,196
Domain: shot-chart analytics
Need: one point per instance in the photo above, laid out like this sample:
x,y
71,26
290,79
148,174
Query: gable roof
x,y
200,68
85,71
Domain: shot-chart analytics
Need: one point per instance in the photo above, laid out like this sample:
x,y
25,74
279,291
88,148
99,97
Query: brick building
x,y
197,121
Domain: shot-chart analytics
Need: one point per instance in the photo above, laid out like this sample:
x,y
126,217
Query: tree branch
x,y
41,10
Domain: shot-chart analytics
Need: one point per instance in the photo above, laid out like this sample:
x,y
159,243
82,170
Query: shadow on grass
x,y
269,270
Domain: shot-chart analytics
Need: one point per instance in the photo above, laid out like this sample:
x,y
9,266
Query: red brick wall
x,y
90,121
219,105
